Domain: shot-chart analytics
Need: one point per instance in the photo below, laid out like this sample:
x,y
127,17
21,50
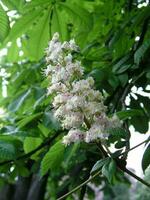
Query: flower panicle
x,y
75,98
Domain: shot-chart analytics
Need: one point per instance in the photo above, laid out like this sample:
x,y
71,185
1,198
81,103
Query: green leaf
x,y
140,123
122,65
123,79
14,4
99,164
38,37
78,12
71,152
109,170
123,68
4,24
23,24
7,150
120,144
21,169
13,52
118,133
28,119
31,143
146,158
34,3
123,115
58,23
140,53
112,167
53,158
45,131
17,103
50,121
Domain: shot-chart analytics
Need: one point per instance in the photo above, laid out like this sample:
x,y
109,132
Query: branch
x,y
25,156
136,177
79,186
147,140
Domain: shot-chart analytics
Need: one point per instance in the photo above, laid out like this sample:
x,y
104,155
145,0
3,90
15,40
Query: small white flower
x,y
73,120
68,58
73,45
57,88
96,132
61,99
74,135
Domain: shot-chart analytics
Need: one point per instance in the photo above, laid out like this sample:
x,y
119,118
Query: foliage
x,y
141,191
107,33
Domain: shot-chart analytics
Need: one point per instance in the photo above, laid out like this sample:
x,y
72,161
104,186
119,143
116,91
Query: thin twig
x,y
147,140
136,177
79,186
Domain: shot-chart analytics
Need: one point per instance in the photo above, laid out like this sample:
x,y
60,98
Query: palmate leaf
x,y
23,24
38,37
78,13
34,3
14,4
80,20
53,158
59,22
4,24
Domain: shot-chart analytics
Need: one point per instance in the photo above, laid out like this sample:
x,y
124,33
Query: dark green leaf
x,y
146,158
139,54
123,115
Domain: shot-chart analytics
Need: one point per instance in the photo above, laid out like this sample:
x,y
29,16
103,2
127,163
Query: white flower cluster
x,y
77,104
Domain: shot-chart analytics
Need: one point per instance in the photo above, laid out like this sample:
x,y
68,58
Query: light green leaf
x,y
78,13
23,24
17,103
45,131
28,119
34,3
59,23
14,4
53,158
31,143
38,37
4,24
13,52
